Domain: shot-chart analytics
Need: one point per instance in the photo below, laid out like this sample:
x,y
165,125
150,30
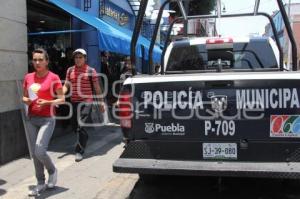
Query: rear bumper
x,y
207,168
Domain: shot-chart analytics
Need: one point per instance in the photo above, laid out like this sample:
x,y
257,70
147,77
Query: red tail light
x,y
125,109
219,40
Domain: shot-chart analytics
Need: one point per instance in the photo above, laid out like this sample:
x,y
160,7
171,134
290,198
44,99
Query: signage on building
x,y
121,17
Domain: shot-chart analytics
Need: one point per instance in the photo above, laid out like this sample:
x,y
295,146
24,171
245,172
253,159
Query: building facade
x,y
78,34
13,66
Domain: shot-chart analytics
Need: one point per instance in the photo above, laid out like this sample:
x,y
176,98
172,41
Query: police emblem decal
x,y
219,103
149,128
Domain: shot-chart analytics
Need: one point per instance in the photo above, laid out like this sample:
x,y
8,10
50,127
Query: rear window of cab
x,y
256,54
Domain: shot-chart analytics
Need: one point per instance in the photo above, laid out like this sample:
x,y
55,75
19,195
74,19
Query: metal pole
x,y
289,43
136,33
59,32
157,24
23,110
256,7
290,34
219,8
228,16
186,23
182,9
184,15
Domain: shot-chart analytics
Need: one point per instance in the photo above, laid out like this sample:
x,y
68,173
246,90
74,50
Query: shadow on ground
x,y
2,191
177,187
101,140
49,192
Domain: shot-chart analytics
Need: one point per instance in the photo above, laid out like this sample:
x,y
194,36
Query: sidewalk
x,y
86,179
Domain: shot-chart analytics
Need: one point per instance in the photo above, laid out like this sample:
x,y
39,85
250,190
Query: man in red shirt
x,y
82,87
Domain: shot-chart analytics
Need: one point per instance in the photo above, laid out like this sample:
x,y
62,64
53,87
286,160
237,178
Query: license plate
x,y
219,151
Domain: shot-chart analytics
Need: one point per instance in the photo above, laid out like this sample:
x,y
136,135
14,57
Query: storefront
x,y
109,25
46,24
97,26
120,14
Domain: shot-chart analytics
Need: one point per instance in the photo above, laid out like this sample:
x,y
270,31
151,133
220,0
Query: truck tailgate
x,y
227,119
218,110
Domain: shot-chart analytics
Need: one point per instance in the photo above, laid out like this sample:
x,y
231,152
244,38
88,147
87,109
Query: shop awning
x,y
111,37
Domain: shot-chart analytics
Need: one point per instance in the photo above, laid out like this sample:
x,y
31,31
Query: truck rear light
x,y
219,40
125,109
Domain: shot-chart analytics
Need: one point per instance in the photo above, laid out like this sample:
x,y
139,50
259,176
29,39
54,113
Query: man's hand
x,y
42,102
102,107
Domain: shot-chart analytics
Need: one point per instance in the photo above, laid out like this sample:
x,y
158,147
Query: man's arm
x,y
66,87
99,98
98,91
67,82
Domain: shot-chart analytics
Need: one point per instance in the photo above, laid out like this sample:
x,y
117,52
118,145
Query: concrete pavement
x,y
90,178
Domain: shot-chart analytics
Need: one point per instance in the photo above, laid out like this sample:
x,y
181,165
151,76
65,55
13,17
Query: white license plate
x,y
219,151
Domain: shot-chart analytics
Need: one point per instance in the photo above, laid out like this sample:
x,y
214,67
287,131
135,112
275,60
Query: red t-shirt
x,y
41,88
81,88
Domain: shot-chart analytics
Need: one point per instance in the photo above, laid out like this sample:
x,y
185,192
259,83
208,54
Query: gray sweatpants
x,y
39,134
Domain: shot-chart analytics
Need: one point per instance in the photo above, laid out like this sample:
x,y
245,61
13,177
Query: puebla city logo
x,y
149,128
172,128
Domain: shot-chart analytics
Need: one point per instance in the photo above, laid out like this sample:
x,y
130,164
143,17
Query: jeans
x,y
39,134
82,114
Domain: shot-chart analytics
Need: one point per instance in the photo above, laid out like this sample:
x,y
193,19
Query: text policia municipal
x,y
245,99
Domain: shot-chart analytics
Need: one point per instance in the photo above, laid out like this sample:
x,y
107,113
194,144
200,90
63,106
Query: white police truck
x,y
220,107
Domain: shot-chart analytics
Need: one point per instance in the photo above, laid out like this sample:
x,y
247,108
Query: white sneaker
x,y
52,179
37,190
78,157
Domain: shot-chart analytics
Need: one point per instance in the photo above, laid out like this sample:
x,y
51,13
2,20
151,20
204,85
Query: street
x,y
90,178
210,188
93,177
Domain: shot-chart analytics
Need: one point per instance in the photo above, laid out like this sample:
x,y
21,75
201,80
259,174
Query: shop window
x,y
43,18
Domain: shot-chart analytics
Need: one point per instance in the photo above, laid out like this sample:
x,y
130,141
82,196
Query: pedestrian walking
x,y
40,88
83,82
127,69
